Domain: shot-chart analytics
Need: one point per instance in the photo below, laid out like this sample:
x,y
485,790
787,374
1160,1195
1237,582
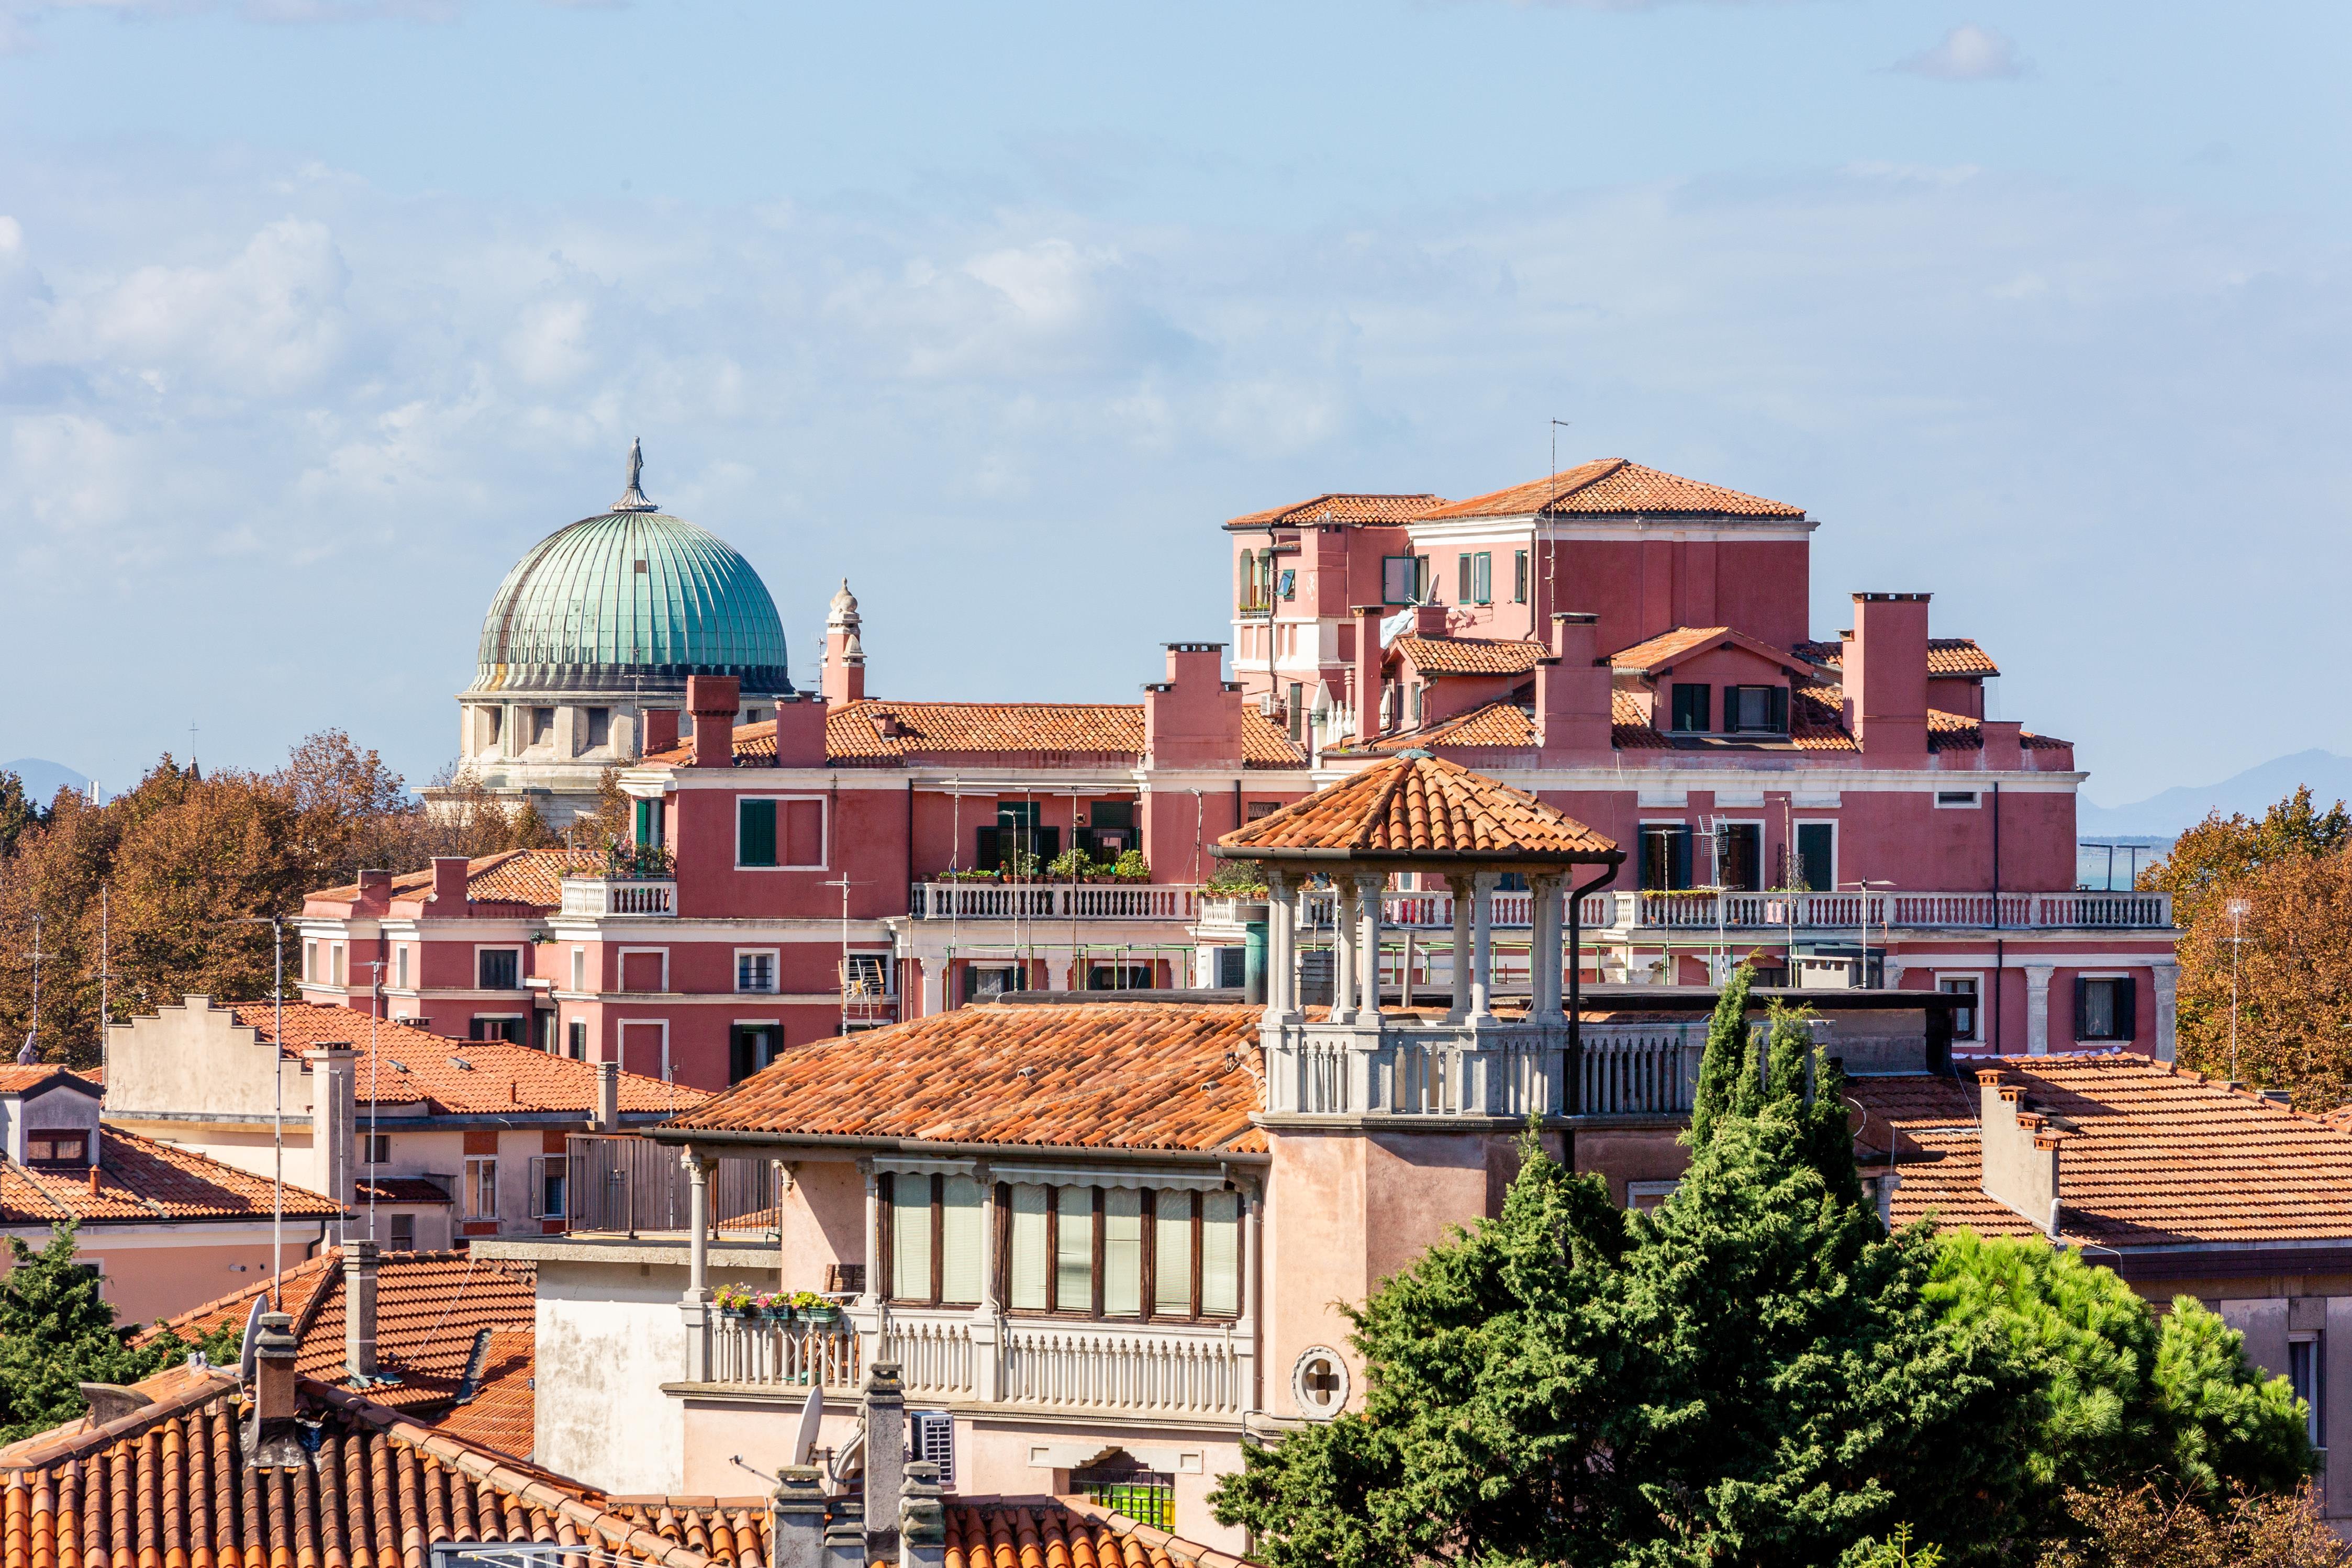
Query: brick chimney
x,y
1368,670
608,1096
661,730
799,730
375,893
271,1438
844,650
449,886
1886,675
1572,690
713,700
1194,717
2020,1148
2004,746
359,1311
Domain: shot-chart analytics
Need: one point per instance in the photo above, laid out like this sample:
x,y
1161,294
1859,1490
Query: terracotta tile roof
x,y
1470,655
1114,1075
456,1077
1653,654
533,877
1419,805
1065,1532
1509,722
1946,656
500,1409
1630,727
1959,731
19,1078
1612,486
1342,507
398,1189
1070,733
140,1181
428,1308
2151,1155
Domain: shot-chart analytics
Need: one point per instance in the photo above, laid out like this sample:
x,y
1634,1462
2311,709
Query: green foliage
x,y
1894,1552
1234,878
1071,862
2226,1423
1728,1061
18,811
1131,866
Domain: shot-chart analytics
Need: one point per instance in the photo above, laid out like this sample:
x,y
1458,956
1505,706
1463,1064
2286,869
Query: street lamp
x,y
2237,909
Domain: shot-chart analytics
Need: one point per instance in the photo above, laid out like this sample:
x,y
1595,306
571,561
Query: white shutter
x,y
1172,1290
1122,1253
963,1252
1073,1250
1221,1253
910,1237
1028,1285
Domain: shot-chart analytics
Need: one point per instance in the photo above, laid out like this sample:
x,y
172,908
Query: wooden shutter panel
x,y
1779,708
755,840
1172,1236
2082,1003
961,1236
1122,1220
1027,1290
1681,857
2127,1009
987,853
1221,1254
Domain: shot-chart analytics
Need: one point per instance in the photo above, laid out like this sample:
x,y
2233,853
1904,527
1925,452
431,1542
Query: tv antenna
x,y
1541,629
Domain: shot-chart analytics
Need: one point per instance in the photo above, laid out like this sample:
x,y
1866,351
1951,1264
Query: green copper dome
x,y
630,599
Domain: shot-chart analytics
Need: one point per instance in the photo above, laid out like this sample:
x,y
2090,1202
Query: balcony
x,y
605,896
627,1185
1623,914
1053,901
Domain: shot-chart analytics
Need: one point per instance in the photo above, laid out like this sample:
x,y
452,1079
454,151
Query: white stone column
x,y
1343,942
2166,979
1370,885
1281,976
2037,1008
1460,960
1482,944
1543,952
697,1220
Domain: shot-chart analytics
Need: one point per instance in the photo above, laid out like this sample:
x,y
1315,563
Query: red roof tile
x,y
1662,652
533,877
1509,722
1420,805
499,1409
1115,1075
2153,1155
1067,733
17,1078
1470,655
1946,656
140,1181
1614,487
1342,507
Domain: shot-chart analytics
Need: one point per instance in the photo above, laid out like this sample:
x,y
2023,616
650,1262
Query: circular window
x,y
1319,1382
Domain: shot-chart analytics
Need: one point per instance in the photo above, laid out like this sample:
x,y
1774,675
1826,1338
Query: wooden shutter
x,y
1047,844
1027,1286
1461,579
987,853
755,836
1221,1254
910,1237
1122,1253
1682,837
2081,1005
962,1250
1172,1261
1074,1249
2126,1009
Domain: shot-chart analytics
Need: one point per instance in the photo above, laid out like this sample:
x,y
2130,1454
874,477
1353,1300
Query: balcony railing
x,y
1053,901
761,1352
1620,913
600,895
627,1185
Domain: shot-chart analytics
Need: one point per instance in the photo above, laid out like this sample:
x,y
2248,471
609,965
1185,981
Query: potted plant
x,y
1071,864
730,1300
1130,866
816,1309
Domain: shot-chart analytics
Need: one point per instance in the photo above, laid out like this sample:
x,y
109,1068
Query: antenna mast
x,y
1540,630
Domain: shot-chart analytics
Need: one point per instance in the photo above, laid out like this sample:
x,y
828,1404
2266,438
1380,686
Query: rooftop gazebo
x,y
1420,813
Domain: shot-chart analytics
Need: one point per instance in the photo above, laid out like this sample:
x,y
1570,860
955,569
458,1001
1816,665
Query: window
x,y
755,833
576,1040
1647,1197
499,969
310,960
379,1148
1290,585
986,982
1118,977
1025,1285
1955,799
1172,1255
1474,579
1690,710
1964,1010
1519,577
867,975
1740,856
56,1148
1258,810
1755,710
1666,856
481,1187
1297,711
1016,836
938,1242
600,727
755,971
400,969
751,1047
402,1234
1120,1484
933,1437
1255,582
2102,1008
1123,1252
549,1180
1074,1249
648,826
1817,856
341,972
2305,1376
1400,578
508,1027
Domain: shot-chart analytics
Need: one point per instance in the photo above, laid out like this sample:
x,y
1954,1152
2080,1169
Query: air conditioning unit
x,y
931,1435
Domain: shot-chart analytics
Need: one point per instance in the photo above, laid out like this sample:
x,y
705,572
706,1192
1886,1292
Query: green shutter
x,y
1461,579
1780,709
755,833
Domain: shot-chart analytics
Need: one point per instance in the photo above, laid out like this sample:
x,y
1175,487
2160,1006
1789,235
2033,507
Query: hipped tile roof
x,y
1065,1532
1342,507
1072,734
1609,486
455,1076
1119,1075
531,877
1510,722
1655,653
500,1409
2151,1155
1946,656
140,1181
1470,655
1419,805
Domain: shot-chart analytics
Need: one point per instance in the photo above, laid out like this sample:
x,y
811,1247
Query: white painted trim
x,y
776,969
824,831
622,968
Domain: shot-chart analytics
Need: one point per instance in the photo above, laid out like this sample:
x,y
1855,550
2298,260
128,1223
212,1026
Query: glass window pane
x,y
962,1252
1122,1253
2098,1010
1027,1289
1172,1289
1221,1253
910,1237
1073,1250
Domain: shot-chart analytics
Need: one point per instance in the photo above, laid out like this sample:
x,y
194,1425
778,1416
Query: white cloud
x,y
1968,53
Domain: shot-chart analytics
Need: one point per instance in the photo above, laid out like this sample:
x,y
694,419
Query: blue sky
x,y
313,315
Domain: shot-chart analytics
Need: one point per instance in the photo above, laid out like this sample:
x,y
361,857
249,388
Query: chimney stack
x,y
1886,675
922,1518
713,700
449,885
334,1118
359,1311
661,730
1368,672
1573,690
845,1538
608,1096
376,890
796,1518
1194,717
271,1438
2020,1149
886,1458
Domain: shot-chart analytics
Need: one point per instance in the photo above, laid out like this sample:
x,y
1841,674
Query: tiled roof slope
x,y
1612,486
1342,507
2150,1155
1946,656
501,1409
1121,1075
1419,805
1065,1532
1959,731
1510,722
1066,731
140,1181
1666,648
18,1078
411,1067
428,1308
533,877
1470,655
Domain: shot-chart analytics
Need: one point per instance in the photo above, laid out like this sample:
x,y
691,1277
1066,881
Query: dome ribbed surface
x,y
626,599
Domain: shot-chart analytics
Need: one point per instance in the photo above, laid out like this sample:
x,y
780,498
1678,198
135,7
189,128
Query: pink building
x,y
1629,646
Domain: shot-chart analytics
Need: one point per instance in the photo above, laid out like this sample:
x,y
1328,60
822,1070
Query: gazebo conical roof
x,y
1418,809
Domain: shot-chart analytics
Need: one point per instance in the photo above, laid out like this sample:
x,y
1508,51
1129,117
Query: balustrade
x,y
1505,1070
1707,909
1053,901
763,1352
600,896
1107,1367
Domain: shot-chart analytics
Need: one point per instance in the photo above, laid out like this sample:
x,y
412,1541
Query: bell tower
x,y
845,655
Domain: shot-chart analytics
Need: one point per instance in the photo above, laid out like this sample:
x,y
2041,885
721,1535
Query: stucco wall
x,y
193,1057
607,1337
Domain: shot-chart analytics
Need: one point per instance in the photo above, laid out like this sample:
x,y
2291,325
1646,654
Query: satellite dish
x,y
252,1334
811,1412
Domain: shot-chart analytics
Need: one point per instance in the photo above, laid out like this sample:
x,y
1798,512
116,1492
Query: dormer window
x,y
1756,710
1692,702
56,1148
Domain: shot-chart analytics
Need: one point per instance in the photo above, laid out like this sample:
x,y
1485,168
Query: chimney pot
x,y
713,699
608,1096
885,1458
796,1518
359,1311
450,872
922,1518
273,1362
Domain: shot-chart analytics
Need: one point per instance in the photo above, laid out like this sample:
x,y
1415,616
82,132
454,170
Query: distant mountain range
x,y
44,779
2254,791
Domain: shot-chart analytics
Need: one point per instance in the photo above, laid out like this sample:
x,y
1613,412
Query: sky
x,y
314,316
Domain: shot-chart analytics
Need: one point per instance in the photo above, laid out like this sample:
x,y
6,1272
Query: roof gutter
x,y
1408,857
921,1148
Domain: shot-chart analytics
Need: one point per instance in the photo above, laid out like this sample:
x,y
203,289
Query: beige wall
x,y
824,1220
156,1272
193,1057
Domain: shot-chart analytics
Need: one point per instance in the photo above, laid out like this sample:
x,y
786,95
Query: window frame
x,y
400,966
481,1170
2124,1020
1796,849
1975,978
774,956
1091,1310
1776,709
1684,695
1763,831
483,949
1681,858
621,967
1959,800
935,1209
1521,577
1413,570
575,1039
824,831
2315,1399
